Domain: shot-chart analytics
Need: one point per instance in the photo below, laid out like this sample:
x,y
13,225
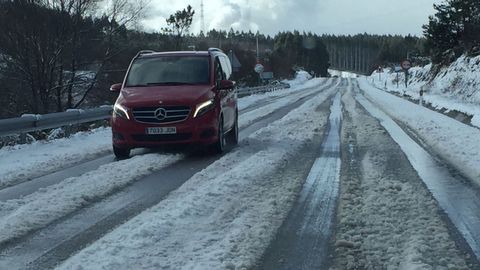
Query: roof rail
x,y
215,50
142,52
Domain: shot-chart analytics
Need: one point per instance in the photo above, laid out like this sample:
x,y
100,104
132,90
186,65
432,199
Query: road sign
x,y
406,64
259,68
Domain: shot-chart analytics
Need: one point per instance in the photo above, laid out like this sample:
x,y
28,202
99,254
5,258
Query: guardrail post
x,y
67,130
23,138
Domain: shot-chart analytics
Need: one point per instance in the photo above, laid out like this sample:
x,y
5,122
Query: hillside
x,y
452,88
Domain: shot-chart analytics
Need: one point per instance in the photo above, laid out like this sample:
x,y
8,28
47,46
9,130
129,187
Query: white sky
x,y
318,16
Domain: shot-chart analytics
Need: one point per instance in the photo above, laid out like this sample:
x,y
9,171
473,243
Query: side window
x,y
219,74
226,67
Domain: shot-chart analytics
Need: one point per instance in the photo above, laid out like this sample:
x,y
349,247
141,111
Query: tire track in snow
x,y
303,239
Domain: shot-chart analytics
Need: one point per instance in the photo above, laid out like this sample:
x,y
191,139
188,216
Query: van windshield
x,y
169,70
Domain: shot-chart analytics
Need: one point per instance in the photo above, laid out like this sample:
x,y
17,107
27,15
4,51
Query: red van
x,y
175,98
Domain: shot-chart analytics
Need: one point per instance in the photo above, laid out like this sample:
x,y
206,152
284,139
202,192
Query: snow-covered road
x,y
84,210
43,207
387,218
304,236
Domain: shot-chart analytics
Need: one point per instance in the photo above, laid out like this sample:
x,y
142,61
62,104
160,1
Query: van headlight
x,y
203,107
121,111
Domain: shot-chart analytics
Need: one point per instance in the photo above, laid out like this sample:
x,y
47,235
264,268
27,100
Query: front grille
x,y
161,115
162,137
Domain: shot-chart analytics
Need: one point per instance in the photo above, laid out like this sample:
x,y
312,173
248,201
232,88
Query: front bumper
x,y
132,134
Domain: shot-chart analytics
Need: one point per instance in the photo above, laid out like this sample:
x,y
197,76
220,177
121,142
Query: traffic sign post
x,y
259,68
421,96
397,70
406,65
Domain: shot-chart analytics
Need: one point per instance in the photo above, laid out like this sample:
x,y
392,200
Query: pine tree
x,y
454,28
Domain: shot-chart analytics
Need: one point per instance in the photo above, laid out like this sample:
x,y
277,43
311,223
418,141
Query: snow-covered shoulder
x,y
22,162
454,87
34,211
452,140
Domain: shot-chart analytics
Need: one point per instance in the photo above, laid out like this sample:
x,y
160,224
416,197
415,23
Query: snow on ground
x,y
301,77
386,217
224,216
342,74
306,89
456,87
20,216
455,142
297,85
27,161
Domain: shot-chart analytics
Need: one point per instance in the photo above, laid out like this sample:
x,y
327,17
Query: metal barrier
x,y
242,92
36,122
31,122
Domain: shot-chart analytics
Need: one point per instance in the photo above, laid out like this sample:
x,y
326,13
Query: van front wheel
x,y
232,136
219,146
121,153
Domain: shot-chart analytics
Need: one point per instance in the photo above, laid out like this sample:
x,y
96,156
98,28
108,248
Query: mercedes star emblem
x,y
160,114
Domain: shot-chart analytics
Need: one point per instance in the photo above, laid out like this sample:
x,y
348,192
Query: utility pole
x,y
258,54
202,17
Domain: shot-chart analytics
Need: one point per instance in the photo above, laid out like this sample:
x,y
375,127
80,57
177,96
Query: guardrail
x,y
35,122
242,92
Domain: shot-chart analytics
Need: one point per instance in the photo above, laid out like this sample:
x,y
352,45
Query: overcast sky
x,y
318,16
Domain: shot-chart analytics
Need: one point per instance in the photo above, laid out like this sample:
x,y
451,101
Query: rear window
x,y
169,70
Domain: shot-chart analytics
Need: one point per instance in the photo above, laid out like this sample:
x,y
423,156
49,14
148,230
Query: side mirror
x,y
226,84
116,87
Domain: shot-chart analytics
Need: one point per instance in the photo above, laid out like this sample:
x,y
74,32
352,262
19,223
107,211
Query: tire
x,y
232,136
219,146
121,153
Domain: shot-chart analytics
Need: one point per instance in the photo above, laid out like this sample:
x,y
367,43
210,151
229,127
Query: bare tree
x,y
41,42
179,24
121,13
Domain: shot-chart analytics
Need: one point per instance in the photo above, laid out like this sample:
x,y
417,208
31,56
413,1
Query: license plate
x,y
161,130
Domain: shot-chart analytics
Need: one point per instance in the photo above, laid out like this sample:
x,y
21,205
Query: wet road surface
x,y
303,240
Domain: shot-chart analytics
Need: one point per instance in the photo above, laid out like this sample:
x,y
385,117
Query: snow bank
x,y
301,77
20,216
342,74
224,216
456,87
21,162
455,142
